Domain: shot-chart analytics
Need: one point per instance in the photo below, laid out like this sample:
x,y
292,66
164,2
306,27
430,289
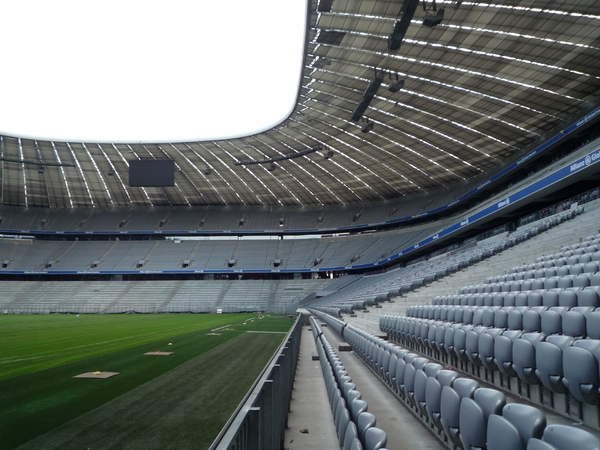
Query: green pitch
x,y
155,402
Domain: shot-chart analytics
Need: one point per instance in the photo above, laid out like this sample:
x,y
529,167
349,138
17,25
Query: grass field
x,y
178,401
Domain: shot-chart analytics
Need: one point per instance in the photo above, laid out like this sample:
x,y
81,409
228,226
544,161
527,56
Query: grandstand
x,y
454,248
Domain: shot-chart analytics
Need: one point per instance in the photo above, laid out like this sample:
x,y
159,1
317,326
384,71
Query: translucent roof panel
x,y
452,103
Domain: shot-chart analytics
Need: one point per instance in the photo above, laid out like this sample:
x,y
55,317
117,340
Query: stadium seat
x,y
357,407
502,435
580,366
565,437
365,421
433,394
350,436
549,362
450,406
375,439
356,445
474,414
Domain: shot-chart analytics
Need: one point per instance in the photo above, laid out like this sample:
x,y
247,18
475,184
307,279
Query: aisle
x,y
309,409
404,431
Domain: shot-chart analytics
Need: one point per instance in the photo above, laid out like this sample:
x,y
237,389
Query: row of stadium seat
x,y
585,242
569,297
578,278
557,347
559,319
457,409
572,266
354,424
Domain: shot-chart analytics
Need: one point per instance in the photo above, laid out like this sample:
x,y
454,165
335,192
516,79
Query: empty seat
x,y
550,298
357,407
474,414
565,437
518,424
549,362
592,323
365,421
350,436
502,435
588,297
580,366
574,321
433,394
430,370
409,378
503,351
567,298
524,361
450,406
534,299
342,425
355,445
582,280
375,439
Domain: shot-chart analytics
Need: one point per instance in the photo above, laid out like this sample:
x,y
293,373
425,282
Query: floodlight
x,y
368,126
395,86
431,20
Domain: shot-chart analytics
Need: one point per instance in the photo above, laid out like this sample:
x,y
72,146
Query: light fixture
x,y
329,154
207,171
431,20
395,86
272,167
368,126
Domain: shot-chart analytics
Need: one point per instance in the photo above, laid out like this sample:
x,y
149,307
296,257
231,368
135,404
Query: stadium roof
x,y
487,81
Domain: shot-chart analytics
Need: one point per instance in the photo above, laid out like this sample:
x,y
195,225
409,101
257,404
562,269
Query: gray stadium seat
x,y
356,445
565,437
450,406
433,394
537,444
549,362
592,323
567,298
574,321
580,366
351,396
351,434
375,439
357,407
365,421
588,297
474,414
502,435
342,425
420,389
486,347
409,381
503,351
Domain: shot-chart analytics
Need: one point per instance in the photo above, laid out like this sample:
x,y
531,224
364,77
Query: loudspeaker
x,y
431,21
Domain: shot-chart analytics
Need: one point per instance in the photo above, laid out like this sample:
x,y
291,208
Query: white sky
x,y
148,71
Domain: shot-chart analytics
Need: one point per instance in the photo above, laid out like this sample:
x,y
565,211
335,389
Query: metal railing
x,y
260,420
